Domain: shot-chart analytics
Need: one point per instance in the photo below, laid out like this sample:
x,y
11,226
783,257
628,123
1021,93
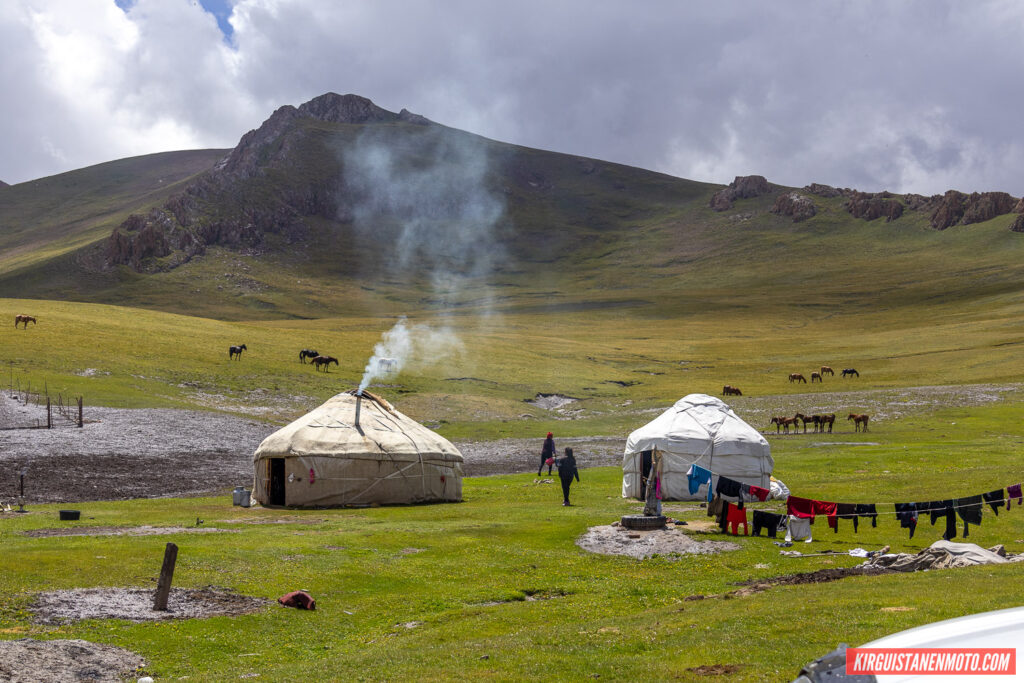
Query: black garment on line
x,y
768,521
941,508
867,510
969,509
907,514
995,499
730,487
846,511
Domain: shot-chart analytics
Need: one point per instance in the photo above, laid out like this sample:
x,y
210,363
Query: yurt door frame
x,y
275,475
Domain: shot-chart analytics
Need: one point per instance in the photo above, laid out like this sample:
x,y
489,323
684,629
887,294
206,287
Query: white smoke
x,y
401,346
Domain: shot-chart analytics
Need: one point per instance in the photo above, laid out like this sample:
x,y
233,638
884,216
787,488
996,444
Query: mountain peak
x,y
335,108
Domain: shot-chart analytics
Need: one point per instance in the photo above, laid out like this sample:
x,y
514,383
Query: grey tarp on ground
x,y
358,450
940,555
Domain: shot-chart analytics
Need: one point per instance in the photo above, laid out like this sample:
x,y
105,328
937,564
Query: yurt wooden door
x,y
276,466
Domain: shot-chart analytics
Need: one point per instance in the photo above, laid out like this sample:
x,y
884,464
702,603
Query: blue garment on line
x,y
696,476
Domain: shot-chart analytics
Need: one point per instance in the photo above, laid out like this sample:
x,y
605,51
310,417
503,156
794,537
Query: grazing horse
x,y
235,352
729,390
859,420
324,362
850,371
828,419
307,353
23,319
816,376
797,377
826,370
386,364
813,419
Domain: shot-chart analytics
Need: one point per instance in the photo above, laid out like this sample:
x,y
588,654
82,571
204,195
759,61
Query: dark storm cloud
x,y
911,96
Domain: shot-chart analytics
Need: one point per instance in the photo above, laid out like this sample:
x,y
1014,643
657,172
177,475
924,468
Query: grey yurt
x,y
355,450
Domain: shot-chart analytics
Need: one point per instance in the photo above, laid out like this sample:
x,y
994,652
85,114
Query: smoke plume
x,y
402,345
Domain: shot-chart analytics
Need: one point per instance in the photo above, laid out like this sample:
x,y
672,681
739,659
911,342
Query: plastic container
x,y
246,497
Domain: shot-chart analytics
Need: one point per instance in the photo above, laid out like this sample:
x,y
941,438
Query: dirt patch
x,y
821,576
28,661
136,604
552,401
528,596
617,540
144,530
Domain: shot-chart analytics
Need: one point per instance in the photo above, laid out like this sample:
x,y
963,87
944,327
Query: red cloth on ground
x,y
298,599
760,493
807,508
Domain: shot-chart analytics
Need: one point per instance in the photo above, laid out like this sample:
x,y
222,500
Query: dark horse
x,y
813,419
236,352
325,362
850,371
307,353
729,390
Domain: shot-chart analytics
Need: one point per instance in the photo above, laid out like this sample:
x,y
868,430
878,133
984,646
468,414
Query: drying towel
x,y
807,508
758,492
969,509
1013,492
907,514
995,499
868,510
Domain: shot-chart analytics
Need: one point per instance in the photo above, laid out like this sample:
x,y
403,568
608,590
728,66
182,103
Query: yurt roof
x,y
361,427
698,424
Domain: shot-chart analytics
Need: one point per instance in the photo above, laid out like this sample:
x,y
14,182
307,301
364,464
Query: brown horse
x,y
782,423
816,376
813,419
828,419
324,362
797,377
729,390
858,421
23,319
826,370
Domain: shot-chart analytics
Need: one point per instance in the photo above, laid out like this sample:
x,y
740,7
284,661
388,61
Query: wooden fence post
x,y
49,419
79,411
163,586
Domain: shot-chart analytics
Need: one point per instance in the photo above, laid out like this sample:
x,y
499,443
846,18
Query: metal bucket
x,y
245,498
236,495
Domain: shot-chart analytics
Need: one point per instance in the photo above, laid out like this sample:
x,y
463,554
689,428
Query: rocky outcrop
x,y
139,241
1018,224
871,206
743,187
794,205
820,190
3,184
957,208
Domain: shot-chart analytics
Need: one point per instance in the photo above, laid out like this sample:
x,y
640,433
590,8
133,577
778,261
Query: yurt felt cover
x,y
330,459
698,429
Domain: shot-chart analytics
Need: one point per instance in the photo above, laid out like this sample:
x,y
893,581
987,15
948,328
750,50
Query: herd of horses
x,y
820,374
319,362
860,422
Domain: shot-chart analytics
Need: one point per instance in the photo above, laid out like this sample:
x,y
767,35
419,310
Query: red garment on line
x,y
760,493
807,508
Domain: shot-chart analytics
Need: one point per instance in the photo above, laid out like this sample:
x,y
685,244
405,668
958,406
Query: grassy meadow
x,y
495,586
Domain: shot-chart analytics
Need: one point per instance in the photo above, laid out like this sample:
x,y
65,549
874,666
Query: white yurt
x,y
355,450
702,430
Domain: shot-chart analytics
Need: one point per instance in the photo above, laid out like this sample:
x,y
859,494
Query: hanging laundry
x,y
907,514
1014,492
995,499
969,509
868,510
805,507
843,511
757,492
735,517
769,521
696,476
940,508
799,529
729,487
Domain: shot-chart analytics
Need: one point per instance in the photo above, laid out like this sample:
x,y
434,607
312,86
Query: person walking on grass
x,y
547,454
566,471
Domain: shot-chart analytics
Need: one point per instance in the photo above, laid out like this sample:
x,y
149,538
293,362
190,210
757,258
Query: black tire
x,y
642,522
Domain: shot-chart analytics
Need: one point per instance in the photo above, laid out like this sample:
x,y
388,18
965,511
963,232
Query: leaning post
x,y
163,586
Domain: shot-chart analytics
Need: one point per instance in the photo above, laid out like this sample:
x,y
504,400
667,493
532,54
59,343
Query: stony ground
x,y
122,454
30,661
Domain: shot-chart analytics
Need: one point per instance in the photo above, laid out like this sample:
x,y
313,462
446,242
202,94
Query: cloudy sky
x,y
910,96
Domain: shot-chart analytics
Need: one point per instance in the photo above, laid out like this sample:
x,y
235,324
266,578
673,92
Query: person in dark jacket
x,y
547,454
566,471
